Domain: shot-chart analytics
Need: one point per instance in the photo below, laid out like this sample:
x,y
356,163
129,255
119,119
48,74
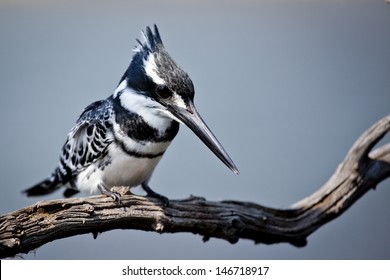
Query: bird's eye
x,y
163,92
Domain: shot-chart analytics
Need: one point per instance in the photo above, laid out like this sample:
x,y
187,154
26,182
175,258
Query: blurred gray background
x,y
287,87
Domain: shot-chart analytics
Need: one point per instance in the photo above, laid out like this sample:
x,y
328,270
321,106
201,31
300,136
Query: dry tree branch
x,y
360,171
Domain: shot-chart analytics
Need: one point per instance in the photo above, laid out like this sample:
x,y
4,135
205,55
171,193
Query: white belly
x,y
123,170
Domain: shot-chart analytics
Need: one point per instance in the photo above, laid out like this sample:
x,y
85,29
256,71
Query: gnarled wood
x,y
360,171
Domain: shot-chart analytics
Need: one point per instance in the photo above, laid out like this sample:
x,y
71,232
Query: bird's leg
x,y
104,190
71,191
152,193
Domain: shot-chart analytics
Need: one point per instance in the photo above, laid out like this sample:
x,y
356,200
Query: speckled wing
x,y
88,140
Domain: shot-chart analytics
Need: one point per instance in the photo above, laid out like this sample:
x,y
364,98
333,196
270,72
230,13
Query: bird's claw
x,y
116,197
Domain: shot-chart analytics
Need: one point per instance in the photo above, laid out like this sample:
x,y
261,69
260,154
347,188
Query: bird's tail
x,y
47,186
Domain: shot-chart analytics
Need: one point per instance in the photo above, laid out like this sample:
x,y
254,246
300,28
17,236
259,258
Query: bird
x,y
118,141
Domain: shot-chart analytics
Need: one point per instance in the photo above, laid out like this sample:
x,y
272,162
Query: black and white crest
x,y
150,41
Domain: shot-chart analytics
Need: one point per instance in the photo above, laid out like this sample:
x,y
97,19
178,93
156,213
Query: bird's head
x,y
167,89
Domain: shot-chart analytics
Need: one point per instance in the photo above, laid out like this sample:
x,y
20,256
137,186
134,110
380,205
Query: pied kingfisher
x,y
119,141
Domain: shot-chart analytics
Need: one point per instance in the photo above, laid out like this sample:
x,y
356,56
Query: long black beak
x,y
191,118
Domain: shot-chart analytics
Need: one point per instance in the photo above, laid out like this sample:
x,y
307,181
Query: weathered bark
x,y
360,171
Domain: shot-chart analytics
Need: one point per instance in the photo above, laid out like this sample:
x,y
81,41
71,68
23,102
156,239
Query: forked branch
x,y
361,170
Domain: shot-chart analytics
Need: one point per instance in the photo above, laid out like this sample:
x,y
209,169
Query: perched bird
x,y
119,141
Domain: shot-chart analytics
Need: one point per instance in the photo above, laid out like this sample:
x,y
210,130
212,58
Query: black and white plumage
x,y
120,140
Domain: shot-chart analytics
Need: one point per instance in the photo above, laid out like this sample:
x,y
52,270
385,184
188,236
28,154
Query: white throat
x,y
151,111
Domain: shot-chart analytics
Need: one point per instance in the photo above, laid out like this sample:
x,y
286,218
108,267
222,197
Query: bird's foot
x,y
152,193
114,195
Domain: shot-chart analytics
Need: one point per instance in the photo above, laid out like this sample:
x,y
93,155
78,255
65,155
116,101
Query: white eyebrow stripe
x,y
151,70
